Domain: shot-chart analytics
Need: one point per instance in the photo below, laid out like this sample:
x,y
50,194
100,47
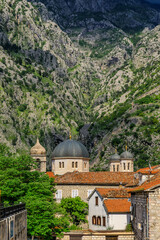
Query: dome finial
x,y
126,147
115,150
70,134
37,140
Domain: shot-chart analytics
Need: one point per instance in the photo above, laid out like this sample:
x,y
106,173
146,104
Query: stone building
x,y
13,223
109,208
70,156
122,163
38,153
82,184
145,201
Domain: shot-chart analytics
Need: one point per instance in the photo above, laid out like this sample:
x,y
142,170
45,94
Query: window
x,y
60,165
11,229
74,193
128,166
99,221
94,220
76,164
38,161
114,168
117,168
104,221
124,166
96,201
89,192
85,165
59,194
72,164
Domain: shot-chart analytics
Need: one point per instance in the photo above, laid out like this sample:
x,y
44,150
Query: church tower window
x,y
117,168
128,166
124,166
72,164
76,164
60,165
114,168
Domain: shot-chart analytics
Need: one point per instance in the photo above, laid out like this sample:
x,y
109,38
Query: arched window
x,y
99,221
72,164
38,161
128,166
117,168
124,166
114,168
85,165
60,165
94,220
76,164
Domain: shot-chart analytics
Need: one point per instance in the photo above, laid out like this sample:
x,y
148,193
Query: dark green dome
x,y
115,157
71,148
126,155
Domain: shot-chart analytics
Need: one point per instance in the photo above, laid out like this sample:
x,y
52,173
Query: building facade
x,y
109,208
13,223
145,200
122,163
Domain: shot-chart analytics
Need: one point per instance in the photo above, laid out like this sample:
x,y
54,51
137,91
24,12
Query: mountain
x,y
89,65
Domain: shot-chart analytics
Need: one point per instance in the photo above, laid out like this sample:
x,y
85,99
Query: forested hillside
x,y
93,69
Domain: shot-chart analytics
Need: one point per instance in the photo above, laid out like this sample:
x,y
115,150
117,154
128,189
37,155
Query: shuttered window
x,y
74,193
59,194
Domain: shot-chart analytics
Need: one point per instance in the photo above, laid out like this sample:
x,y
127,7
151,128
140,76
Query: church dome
x,y
37,149
126,155
115,157
71,148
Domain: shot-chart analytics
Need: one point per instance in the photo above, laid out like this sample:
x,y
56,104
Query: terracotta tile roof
x,y
117,205
114,192
97,178
147,171
151,183
50,174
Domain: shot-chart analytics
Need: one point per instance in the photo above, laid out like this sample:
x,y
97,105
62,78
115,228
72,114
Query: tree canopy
x,y
19,184
76,209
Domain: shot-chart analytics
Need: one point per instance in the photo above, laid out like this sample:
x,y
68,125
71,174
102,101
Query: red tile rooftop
x,y
97,178
149,184
114,192
117,205
50,174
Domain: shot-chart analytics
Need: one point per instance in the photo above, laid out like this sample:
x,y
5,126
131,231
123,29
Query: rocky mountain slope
x,y
99,76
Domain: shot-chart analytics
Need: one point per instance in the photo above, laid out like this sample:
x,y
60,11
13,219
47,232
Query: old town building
x,y
145,200
109,208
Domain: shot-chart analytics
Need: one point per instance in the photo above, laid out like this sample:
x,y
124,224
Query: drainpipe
x,y
147,237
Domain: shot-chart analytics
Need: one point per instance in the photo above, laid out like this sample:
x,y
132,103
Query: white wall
x,y
119,221
96,211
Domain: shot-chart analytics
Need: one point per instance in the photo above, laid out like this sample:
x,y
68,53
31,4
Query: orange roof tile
x,y
50,174
117,205
100,178
147,170
151,183
114,192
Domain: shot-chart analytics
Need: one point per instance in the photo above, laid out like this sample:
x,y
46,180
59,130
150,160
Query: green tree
x,y
76,209
19,184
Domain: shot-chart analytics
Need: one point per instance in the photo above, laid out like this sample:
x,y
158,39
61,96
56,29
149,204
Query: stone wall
x,y
139,213
154,214
19,226
82,190
101,236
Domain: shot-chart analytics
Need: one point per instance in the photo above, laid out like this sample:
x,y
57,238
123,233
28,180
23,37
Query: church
x,y
72,155
70,168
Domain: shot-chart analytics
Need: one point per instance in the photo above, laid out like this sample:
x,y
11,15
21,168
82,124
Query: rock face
x,y
122,13
94,76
